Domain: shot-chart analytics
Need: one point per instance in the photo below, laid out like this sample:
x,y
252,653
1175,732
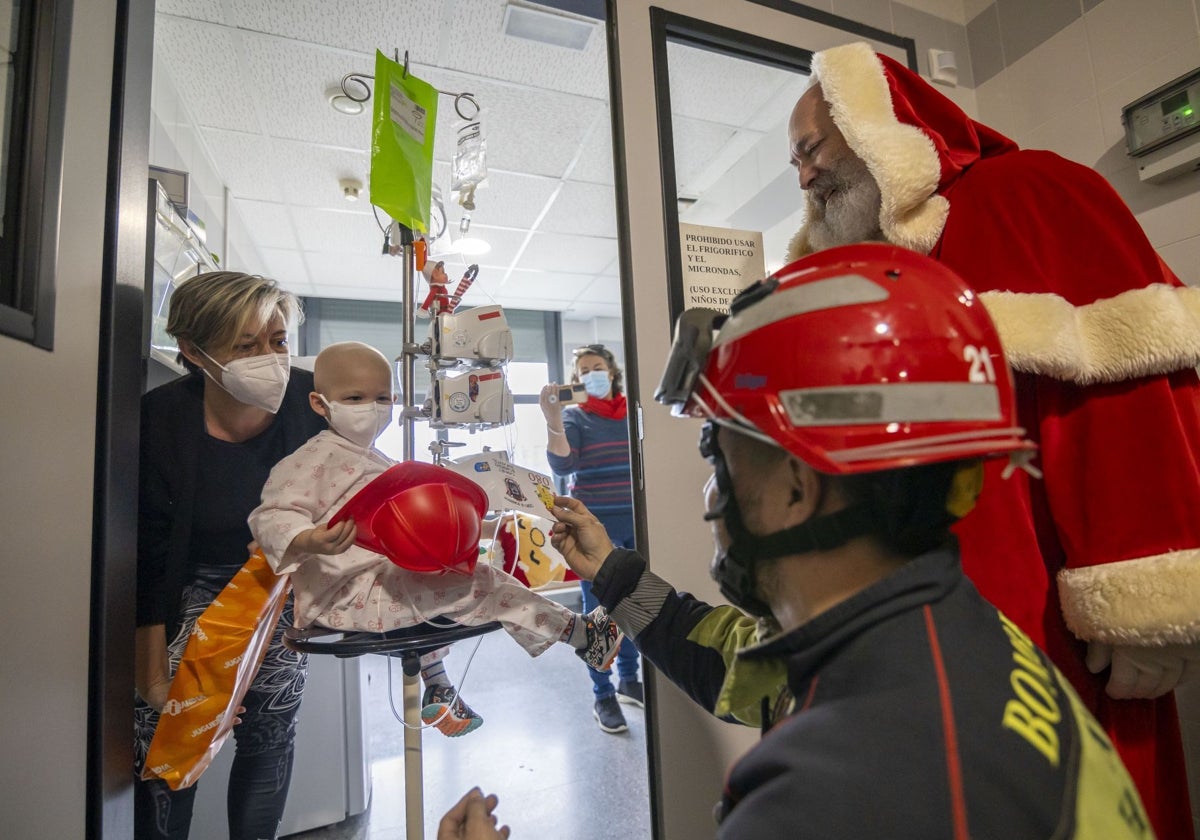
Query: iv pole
x,y
414,804
355,87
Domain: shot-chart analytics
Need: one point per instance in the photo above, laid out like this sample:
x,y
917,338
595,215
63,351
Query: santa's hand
x,y
1143,671
579,537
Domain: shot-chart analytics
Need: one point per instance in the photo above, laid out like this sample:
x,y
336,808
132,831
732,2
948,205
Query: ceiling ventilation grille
x,y
547,27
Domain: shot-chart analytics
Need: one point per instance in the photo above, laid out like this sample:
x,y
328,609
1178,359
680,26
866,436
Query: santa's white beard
x,y
852,212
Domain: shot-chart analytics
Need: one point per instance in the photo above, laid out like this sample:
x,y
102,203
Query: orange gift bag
x,y
223,654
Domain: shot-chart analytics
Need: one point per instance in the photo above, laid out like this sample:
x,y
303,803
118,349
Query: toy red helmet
x,y
854,359
421,517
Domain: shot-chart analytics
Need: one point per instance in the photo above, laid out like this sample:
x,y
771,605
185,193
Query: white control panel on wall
x,y
1162,129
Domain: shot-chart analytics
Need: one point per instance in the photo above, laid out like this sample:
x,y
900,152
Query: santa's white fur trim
x,y
1142,332
1147,601
901,157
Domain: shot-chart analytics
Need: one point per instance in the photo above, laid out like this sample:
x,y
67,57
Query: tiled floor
x,y
539,750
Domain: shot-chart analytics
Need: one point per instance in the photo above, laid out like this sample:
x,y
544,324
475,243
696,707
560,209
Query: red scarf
x,y
613,409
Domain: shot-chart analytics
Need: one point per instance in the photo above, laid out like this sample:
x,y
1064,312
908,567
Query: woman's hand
x,y
579,537
471,818
551,408
155,693
556,435
152,666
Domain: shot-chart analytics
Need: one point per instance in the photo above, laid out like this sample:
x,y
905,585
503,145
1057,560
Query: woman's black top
x,y
196,492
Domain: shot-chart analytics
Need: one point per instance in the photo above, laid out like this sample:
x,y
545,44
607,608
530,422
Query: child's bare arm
x,y
322,540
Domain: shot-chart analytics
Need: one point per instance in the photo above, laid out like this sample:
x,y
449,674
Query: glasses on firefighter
x,y
709,448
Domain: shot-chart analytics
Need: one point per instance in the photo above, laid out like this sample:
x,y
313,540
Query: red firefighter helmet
x,y
855,359
421,517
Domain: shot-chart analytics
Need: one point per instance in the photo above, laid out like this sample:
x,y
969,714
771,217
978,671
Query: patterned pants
x,y
262,764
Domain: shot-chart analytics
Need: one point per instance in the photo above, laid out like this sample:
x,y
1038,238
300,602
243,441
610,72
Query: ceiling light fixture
x,y
343,104
471,246
547,26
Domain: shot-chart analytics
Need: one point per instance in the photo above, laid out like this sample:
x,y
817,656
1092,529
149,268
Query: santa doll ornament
x,y
440,299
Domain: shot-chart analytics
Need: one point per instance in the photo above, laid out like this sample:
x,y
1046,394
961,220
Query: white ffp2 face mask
x,y
360,424
259,381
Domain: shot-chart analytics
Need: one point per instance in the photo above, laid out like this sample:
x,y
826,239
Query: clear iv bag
x,y
468,171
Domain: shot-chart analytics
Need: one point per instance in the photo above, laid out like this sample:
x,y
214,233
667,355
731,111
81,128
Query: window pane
x,y
10,38
10,12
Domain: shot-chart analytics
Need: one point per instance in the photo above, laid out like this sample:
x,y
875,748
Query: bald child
x,y
343,586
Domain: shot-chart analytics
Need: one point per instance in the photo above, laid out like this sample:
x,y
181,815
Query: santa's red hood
x,y
914,140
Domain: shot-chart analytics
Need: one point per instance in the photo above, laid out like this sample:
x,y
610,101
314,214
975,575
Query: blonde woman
x,y
208,441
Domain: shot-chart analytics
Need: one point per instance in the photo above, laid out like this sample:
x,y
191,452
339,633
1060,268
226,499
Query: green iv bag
x,y
402,144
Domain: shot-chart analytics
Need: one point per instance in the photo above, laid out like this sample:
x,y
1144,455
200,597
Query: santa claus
x,y
1100,560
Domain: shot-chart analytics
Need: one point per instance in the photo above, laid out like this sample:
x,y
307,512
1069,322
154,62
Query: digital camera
x,y
571,394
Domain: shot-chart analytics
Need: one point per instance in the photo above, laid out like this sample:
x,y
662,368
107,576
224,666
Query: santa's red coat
x,y
1104,340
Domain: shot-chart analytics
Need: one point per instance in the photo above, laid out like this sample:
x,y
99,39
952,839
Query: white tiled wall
x,y
1066,95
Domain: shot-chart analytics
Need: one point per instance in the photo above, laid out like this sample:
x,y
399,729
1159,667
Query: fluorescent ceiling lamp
x,y
468,246
547,27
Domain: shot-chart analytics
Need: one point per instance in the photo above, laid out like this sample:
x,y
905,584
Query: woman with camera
x,y
588,439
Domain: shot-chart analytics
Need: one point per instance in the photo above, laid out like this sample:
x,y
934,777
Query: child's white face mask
x,y
360,424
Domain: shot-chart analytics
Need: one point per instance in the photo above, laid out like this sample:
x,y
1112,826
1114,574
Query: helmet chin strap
x,y
736,568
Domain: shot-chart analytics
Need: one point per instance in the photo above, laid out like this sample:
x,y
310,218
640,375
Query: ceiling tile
x,y
291,82
266,222
595,161
525,284
339,231
310,174
774,114
526,129
696,143
572,254
601,290
361,25
536,304
355,293
478,296
247,163
508,199
742,149
585,209
198,56
479,46
254,75
582,311
198,9
381,274
286,266
506,246
719,88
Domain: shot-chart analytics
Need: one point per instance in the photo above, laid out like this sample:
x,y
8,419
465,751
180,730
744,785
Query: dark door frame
x,y
121,372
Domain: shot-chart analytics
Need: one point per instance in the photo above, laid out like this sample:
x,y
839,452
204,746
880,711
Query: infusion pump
x,y
1162,129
